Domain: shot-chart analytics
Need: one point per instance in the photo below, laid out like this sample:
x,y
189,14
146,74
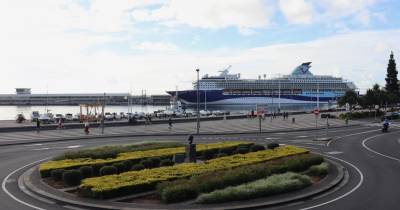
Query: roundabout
x,y
366,172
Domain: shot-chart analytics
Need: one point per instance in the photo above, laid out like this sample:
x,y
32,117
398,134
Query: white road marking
x,y
378,153
334,152
73,207
3,185
32,145
271,138
302,136
39,149
74,146
353,134
346,194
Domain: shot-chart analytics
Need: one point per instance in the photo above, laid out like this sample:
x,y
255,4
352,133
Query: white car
x,y
108,116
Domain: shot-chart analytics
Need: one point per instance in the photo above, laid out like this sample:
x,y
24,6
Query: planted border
x,y
46,168
139,181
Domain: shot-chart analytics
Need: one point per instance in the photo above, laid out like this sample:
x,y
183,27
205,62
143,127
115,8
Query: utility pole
x,y
102,113
198,101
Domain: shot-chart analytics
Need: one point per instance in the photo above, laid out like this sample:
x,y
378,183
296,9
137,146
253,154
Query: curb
x,y
22,142
25,183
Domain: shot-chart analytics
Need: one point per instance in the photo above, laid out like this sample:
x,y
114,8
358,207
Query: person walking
x,y
37,126
60,124
86,128
170,123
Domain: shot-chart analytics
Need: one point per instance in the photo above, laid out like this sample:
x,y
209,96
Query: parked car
x,y
69,117
59,117
46,118
108,116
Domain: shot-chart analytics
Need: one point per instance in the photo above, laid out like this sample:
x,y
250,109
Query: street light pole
x,y
102,113
198,101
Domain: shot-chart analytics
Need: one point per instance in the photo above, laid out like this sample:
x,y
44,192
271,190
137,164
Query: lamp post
x,y
198,101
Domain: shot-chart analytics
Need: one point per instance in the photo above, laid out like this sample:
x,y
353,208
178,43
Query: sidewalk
x,y
304,121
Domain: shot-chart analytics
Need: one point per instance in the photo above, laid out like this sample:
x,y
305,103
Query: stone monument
x,y
190,150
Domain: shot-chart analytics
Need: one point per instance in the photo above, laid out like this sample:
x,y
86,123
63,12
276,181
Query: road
x,y
371,157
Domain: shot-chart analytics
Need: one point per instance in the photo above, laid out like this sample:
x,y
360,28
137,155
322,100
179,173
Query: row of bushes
x,y
360,115
137,156
74,176
185,189
222,152
111,151
319,170
139,181
274,184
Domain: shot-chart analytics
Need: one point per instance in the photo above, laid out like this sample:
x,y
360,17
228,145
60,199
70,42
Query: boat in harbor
x,y
300,87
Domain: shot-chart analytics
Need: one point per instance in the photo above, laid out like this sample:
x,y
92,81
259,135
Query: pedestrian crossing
x,y
211,127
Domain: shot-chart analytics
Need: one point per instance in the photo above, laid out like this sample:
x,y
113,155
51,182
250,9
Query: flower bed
x,y
139,181
46,168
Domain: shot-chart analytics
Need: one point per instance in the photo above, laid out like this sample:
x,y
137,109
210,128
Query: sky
x,y
96,46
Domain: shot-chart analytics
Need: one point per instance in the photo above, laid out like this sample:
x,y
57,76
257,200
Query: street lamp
x,y
198,101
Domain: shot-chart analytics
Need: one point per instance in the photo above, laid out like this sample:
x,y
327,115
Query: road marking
x,y
334,152
74,146
302,136
3,185
280,133
32,145
353,134
271,138
378,153
346,194
39,149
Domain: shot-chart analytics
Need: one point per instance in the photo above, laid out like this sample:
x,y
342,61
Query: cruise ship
x,y
300,87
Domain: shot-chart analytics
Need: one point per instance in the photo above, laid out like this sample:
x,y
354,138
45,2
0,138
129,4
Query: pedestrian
x,y
150,119
37,126
252,113
170,123
86,128
60,124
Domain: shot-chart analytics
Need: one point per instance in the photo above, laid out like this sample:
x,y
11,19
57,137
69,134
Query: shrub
x,y
111,151
135,156
155,162
221,155
128,164
120,167
108,170
208,154
272,145
178,193
319,170
209,182
96,168
256,147
242,150
137,167
274,184
166,162
227,150
86,171
147,163
57,174
137,181
72,177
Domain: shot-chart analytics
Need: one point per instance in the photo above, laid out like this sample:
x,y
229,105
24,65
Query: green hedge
x,y
319,170
186,189
274,184
360,115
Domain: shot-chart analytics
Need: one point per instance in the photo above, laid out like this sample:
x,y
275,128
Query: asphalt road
x,y
371,157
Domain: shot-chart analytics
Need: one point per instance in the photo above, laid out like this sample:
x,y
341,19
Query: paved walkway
x,y
221,126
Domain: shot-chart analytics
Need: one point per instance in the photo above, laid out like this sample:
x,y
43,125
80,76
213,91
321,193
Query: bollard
x,y
293,120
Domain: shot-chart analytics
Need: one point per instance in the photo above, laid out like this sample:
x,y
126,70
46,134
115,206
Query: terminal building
x,y
23,96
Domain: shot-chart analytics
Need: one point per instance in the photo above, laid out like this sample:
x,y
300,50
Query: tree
x,y
392,85
350,97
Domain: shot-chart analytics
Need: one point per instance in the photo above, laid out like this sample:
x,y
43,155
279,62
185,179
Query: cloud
x,y
155,46
209,14
297,11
